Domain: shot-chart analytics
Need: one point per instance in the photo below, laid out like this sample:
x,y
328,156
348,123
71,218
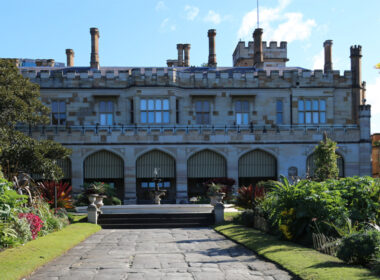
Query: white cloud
x,y
213,17
277,25
319,60
160,6
167,25
191,12
372,95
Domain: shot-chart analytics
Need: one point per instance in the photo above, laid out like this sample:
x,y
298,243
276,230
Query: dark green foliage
x,y
326,160
245,218
97,188
360,248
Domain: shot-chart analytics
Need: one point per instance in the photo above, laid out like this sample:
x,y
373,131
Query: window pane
x,y
308,105
245,106
143,104
144,184
166,184
165,104
279,118
103,119
158,117
279,106
62,116
315,105
150,104
322,117
301,105
109,106
238,106
102,106
62,107
54,107
198,106
315,117
206,118
206,106
54,119
301,117
158,104
109,119
151,185
143,117
322,105
166,117
150,117
308,117
238,118
245,118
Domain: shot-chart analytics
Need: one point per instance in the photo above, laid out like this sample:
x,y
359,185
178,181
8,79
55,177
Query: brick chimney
x,y
180,54
211,47
94,47
70,57
186,48
328,55
258,55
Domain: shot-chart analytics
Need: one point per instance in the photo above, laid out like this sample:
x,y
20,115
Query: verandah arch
x,y
145,165
202,166
310,165
256,166
105,166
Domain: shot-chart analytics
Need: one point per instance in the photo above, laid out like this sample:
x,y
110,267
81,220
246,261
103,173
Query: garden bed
x,y
301,261
22,260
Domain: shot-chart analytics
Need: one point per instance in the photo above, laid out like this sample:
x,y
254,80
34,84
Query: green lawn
x,y
22,260
301,261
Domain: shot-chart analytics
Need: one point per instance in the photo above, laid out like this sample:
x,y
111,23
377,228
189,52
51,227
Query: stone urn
x,y
92,199
99,202
216,198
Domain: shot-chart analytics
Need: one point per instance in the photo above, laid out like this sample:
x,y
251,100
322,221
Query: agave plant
x,y
63,194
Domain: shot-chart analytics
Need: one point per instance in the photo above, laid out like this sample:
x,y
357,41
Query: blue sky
x,y
145,33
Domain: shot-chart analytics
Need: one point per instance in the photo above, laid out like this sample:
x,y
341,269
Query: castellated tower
x,y
357,86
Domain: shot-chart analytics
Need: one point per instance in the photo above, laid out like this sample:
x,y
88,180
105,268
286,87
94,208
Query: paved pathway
x,y
167,254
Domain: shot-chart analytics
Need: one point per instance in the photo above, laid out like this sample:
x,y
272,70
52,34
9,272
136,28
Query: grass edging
x,y
21,261
303,262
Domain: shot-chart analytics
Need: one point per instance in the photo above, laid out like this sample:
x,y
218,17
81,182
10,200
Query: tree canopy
x,y
20,104
326,160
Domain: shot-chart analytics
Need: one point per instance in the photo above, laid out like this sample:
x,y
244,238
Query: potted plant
x,y
96,190
215,193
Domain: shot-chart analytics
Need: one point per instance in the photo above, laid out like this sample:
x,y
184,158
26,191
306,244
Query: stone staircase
x,y
167,220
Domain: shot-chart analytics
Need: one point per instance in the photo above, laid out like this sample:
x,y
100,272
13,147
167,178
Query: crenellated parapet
x,y
186,78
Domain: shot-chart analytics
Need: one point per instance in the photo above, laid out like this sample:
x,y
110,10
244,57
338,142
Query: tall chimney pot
x,y
258,56
180,54
186,48
94,47
211,47
70,57
328,55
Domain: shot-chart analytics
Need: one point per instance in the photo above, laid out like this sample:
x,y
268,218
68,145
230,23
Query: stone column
x,y
130,176
186,48
356,69
94,48
70,57
365,154
181,179
211,48
233,165
77,175
180,54
258,55
328,55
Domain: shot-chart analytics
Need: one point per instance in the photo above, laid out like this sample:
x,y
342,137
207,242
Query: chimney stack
x,y
94,47
180,55
70,57
211,47
328,55
186,48
258,56
357,86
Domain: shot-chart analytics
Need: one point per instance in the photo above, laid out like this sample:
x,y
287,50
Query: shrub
x,y
35,223
97,188
360,248
245,218
63,194
245,197
326,160
22,228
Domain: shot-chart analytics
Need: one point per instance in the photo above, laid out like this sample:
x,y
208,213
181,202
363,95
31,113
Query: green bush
x,y
22,229
245,218
97,188
360,248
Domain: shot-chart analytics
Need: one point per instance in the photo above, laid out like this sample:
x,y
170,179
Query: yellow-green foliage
x,y
304,262
23,260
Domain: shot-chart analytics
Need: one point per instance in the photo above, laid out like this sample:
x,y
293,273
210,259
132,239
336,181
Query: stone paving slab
x,y
164,254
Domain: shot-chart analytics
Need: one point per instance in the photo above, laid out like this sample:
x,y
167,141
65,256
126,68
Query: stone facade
x,y
274,99
376,155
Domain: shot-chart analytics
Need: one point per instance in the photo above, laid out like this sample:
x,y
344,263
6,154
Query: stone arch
x,y
256,165
65,165
310,164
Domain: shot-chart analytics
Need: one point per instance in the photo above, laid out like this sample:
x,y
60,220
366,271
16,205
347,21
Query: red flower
x,y
34,221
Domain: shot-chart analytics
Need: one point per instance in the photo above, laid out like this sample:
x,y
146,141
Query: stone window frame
x,y
317,113
107,112
279,111
159,114
58,113
242,111
202,113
